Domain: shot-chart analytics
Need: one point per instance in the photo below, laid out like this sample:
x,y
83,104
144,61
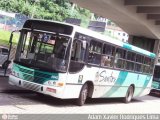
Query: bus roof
x,y
100,37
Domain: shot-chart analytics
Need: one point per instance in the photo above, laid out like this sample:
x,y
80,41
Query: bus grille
x,y
26,71
28,77
31,86
34,75
33,78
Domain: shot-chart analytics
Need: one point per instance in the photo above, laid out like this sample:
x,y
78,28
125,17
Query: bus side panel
x,y
115,83
110,82
75,81
107,82
144,85
71,91
141,83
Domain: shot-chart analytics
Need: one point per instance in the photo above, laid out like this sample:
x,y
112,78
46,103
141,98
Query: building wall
x,y
118,33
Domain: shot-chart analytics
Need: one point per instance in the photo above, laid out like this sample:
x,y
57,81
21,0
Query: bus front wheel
x,y
129,94
83,95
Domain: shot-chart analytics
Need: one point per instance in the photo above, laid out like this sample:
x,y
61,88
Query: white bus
x,y
67,61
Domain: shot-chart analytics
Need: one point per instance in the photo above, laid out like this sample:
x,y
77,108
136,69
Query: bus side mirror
x,y
11,37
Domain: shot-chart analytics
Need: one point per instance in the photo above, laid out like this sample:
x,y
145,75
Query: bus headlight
x,y
56,84
50,82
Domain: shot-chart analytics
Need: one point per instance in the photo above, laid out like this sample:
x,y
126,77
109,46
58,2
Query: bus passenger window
x,y
107,57
95,53
108,50
78,55
139,63
106,61
148,65
130,60
152,66
120,57
138,67
78,51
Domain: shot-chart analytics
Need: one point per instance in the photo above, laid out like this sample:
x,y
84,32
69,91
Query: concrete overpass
x,y
139,18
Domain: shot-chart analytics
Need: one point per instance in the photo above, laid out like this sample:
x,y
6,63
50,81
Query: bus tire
x,y
83,95
129,95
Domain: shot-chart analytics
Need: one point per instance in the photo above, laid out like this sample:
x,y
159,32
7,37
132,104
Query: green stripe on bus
x,y
121,78
152,55
147,80
127,46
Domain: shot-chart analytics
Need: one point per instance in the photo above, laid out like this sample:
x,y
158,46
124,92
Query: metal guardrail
x,y
3,59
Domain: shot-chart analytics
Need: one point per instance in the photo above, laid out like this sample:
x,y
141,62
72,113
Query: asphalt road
x,y
14,100
17,103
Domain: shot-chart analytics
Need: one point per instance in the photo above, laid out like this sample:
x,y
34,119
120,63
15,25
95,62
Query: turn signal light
x,y
60,84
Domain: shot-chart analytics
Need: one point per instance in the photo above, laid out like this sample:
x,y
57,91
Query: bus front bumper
x,y
44,89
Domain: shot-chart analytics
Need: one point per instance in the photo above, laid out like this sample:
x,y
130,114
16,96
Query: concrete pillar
x,y
157,50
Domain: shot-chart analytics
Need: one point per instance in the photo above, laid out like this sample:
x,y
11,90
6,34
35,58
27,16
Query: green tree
x,y
46,9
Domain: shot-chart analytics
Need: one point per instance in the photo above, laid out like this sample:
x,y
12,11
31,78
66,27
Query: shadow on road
x,y
155,95
35,99
31,99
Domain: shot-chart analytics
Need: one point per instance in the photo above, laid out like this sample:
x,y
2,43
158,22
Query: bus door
x,y
77,63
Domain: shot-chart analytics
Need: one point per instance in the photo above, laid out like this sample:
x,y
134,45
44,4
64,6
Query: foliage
x,y
4,38
46,9
57,10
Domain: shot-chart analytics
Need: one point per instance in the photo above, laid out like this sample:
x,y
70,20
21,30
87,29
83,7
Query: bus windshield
x,y
44,51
